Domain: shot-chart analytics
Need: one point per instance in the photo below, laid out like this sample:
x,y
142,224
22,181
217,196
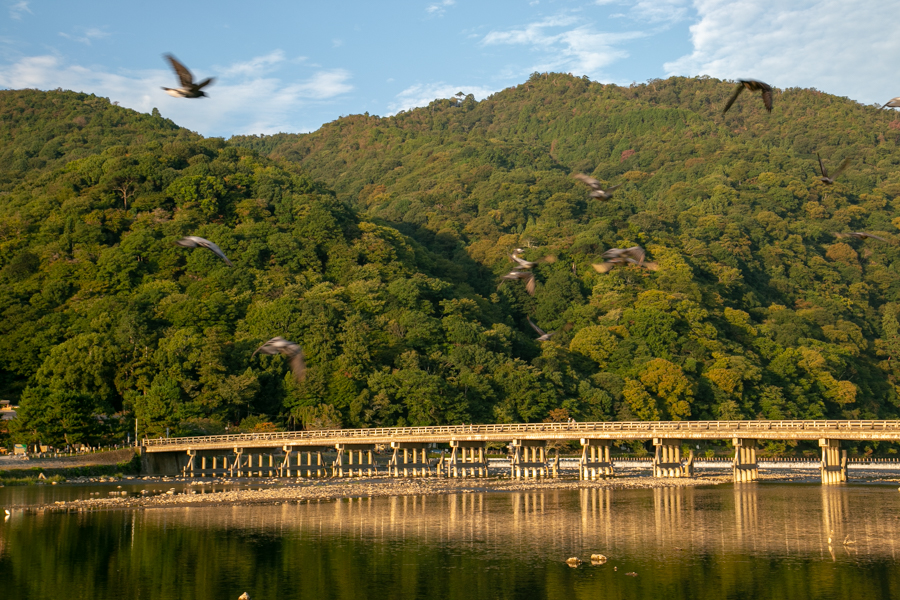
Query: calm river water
x,y
757,541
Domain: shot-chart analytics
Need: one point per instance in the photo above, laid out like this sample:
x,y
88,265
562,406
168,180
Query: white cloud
x,y
17,9
580,50
325,84
439,8
240,101
658,11
843,48
86,36
254,66
423,94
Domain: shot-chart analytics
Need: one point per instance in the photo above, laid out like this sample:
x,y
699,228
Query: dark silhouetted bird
x,y
825,178
753,86
527,276
624,256
192,241
188,88
596,186
859,235
279,345
544,336
893,103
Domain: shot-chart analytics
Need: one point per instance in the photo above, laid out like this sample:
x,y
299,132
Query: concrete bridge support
x,y
361,467
293,464
834,462
529,459
256,464
419,466
467,459
667,460
744,467
206,463
595,461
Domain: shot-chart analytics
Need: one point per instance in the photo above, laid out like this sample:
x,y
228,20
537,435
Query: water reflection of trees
x,y
741,541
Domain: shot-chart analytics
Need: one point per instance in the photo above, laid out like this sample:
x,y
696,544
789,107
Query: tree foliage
x,y
377,244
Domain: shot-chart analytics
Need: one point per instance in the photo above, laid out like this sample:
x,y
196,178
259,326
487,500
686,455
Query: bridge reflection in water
x,y
744,541
414,450
782,519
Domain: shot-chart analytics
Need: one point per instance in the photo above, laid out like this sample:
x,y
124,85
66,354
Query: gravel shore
x,y
274,491
158,492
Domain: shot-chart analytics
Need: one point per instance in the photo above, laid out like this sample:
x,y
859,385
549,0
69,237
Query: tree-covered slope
x,y
38,130
758,310
103,313
378,244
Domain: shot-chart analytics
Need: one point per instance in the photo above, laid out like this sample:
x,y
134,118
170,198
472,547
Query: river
x,y
766,540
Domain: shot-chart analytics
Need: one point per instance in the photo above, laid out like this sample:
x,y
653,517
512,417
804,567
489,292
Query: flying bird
x,y
596,186
544,336
279,345
528,276
825,177
859,235
754,86
527,264
192,241
893,103
188,88
625,256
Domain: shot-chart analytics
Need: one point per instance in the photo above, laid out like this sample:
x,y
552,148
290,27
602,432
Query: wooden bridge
x,y
351,451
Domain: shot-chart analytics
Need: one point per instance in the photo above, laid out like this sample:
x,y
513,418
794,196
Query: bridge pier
x,y
300,469
419,466
361,465
667,460
467,459
744,467
595,459
834,462
205,463
236,465
529,459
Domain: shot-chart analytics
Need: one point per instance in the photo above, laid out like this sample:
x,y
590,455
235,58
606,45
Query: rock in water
x,y
244,596
573,561
598,559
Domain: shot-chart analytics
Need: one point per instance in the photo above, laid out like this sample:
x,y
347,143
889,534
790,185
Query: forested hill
x,y
377,244
40,130
758,311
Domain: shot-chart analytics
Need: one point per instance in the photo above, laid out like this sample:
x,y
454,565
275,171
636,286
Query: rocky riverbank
x,y
273,491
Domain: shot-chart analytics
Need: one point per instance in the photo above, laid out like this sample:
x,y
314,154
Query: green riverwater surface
x,y
754,541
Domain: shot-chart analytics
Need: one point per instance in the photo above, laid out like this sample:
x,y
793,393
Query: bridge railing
x,y
652,428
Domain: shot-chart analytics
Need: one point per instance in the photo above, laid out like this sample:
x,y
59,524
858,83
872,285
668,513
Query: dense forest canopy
x,y
378,243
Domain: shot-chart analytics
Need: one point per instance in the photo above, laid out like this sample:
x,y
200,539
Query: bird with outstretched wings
x,y
193,241
292,350
753,86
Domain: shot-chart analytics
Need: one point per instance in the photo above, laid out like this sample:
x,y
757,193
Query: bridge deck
x,y
614,430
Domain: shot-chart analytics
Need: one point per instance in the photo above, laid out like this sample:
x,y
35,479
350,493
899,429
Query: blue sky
x,y
291,66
